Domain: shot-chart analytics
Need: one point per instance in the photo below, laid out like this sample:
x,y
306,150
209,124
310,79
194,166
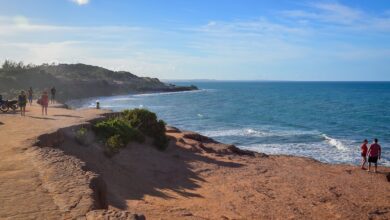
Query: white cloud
x,y
327,12
81,2
335,14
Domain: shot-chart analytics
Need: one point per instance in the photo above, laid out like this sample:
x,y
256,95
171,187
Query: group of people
x,y
373,152
24,98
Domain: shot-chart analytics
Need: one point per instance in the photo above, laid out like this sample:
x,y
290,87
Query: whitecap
x,y
251,132
123,99
335,143
169,93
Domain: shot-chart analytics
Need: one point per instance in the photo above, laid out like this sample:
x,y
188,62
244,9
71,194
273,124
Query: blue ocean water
x,y
323,120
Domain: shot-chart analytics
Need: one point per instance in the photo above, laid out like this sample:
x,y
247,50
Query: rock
x,y
261,155
198,137
171,129
236,150
113,214
187,214
210,145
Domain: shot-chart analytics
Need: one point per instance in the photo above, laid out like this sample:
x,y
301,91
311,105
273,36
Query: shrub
x,y
131,125
148,124
81,136
117,133
113,144
118,126
141,119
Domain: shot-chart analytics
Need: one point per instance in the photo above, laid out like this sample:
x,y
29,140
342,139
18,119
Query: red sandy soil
x,y
195,178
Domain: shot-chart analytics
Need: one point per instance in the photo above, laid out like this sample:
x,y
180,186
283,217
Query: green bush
x,y
81,135
147,123
118,126
113,144
131,125
141,119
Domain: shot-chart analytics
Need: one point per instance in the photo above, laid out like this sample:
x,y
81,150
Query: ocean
x,y
324,120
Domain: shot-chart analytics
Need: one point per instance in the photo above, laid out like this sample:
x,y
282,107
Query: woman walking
x,y
22,101
30,96
44,102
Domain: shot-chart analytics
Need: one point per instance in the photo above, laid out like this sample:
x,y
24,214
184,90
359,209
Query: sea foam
x,y
335,143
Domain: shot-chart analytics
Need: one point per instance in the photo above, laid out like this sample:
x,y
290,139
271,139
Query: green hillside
x,y
74,81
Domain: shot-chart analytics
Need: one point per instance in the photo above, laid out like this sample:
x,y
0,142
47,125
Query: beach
x,y
46,174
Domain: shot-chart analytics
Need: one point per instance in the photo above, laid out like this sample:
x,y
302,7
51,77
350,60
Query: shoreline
x,y
199,90
68,103
195,171
320,140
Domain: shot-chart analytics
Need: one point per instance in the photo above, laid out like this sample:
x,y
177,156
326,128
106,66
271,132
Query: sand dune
x,y
46,174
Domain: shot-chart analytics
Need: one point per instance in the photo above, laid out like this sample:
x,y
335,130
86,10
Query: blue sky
x,y
204,39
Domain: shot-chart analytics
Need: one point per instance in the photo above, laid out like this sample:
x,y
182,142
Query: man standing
x,y
53,94
374,154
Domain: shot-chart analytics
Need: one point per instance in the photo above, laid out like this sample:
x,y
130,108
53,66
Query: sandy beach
x,y
46,174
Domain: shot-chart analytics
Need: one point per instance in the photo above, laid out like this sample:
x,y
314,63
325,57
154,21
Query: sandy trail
x,y
22,195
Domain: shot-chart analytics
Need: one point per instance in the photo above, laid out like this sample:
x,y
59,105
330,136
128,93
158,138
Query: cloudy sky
x,y
204,39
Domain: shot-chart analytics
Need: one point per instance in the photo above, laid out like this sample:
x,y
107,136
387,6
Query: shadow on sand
x,y
68,116
140,170
43,118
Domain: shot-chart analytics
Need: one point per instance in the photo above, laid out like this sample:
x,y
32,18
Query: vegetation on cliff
x,y
128,126
75,81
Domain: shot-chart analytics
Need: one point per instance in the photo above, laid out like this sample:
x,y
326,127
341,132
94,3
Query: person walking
x,y
30,95
22,101
53,95
44,102
364,150
374,154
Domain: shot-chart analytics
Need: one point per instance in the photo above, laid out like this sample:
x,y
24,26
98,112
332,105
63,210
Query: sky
x,y
205,39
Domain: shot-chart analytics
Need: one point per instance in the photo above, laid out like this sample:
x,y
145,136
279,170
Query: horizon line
x,y
265,80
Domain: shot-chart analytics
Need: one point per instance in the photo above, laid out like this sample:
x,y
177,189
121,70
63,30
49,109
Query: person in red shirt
x,y
44,102
374,154
364,150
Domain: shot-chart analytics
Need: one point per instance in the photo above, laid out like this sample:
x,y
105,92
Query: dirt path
x,y
22,195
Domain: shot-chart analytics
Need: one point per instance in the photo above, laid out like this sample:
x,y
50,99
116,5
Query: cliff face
x,y
74,81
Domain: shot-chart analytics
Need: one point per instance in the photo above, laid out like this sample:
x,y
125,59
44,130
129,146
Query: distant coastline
x,y
77,81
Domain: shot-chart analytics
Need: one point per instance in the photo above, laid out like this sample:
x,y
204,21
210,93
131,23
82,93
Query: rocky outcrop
x,y
200,143
171,129
198,137
69,170
76,189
